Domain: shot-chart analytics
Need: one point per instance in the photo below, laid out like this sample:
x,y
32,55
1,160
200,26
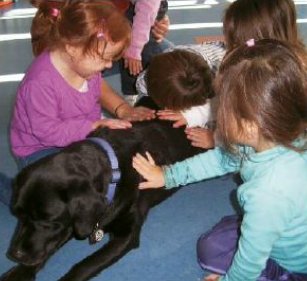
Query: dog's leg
x,y
111,252
151,197
20,273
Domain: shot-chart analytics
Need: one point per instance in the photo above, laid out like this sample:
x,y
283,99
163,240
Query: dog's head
x,y
56,198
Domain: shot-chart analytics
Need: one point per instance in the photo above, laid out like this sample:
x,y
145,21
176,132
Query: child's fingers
x,y
142,163
131,67
196,144
164,111
145,185
138,168
140,159
150,159
126,63
118,124
143,171
193,137
131,70
169,116
167,112
135,66
123,124
179,123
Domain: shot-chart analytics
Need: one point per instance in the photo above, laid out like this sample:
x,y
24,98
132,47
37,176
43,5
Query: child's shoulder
x,y
287,173
39,65
41,69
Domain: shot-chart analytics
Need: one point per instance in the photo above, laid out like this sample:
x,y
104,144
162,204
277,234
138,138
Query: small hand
x,y
112,124
134,65
138,113
212,277
171,115
147,168
200,137
160,28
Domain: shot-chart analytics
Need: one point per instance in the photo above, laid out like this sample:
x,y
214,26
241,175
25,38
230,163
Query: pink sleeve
x,y
145,14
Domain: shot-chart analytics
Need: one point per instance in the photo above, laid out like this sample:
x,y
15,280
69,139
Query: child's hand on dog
x,y
171,115
112,124
147,168
200,137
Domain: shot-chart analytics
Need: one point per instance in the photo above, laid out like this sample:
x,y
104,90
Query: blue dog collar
x,y
114,164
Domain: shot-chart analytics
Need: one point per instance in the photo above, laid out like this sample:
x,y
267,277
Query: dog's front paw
x,y
19,273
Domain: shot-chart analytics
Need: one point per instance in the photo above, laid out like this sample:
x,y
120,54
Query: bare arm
x,y
109,98
116,105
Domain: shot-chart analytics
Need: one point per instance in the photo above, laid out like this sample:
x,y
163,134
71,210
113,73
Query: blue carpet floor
x,y
168,240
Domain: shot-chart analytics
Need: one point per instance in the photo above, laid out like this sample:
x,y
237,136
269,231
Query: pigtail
x,y
44,25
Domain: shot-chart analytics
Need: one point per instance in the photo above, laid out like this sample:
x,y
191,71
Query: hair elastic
x,y
250,42
100,35
55,12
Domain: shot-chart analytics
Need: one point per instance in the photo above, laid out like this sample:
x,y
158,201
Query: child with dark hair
x,y
179,80
261,121
184,92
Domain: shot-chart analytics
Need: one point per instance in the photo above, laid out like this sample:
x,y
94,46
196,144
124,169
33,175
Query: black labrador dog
x,y
74,194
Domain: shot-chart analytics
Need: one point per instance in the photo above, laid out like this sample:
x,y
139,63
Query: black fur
x,y
63,196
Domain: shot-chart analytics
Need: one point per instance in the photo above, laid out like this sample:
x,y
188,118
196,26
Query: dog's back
x,y
165,143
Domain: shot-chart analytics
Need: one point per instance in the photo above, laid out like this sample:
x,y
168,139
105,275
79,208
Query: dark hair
x,y
77,23
260,19
265,84
178,80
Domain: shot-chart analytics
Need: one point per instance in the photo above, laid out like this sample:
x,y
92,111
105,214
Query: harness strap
x,y
114,165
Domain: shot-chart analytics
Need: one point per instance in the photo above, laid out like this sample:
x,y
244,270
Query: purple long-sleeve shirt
x,y
49,112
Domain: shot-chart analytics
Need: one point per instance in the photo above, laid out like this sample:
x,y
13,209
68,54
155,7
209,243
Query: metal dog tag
x,y
99,235
96,235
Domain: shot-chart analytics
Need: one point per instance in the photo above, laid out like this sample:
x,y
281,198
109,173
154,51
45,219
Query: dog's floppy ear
x,y
85,209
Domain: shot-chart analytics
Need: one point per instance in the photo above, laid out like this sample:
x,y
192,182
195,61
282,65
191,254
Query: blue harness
x,y
98,232
114,164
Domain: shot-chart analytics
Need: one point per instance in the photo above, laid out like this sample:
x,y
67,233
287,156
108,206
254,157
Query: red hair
x,y
77,23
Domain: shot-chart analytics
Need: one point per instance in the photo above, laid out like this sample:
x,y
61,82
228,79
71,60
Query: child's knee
x,y
207,249
216,248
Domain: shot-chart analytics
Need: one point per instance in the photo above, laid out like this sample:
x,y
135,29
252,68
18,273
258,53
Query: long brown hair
x,y
77,23
260,19
265,84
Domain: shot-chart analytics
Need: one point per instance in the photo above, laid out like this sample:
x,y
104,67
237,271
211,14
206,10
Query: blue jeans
x,y
5,189
6,183
216,249
22,162
151,49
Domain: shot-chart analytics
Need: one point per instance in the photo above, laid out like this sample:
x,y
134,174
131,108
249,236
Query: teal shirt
x,y
273,198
